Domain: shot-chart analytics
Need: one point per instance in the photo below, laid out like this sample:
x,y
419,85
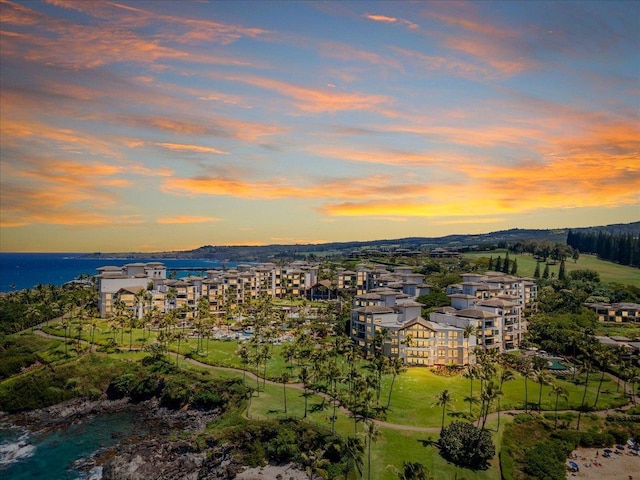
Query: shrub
x,y
618,435
175,394
205,398
284,447
545,460
120,387
466,445
145,389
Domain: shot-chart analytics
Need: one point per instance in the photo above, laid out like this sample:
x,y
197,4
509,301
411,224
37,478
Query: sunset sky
x,y
159,125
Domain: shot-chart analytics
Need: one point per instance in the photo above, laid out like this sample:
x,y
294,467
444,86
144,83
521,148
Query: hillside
x,y
460,242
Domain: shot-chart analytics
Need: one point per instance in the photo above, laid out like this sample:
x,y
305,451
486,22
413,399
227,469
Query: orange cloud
x,y
482,26
381,18
67,44
316,100
179,147
378,156
187,219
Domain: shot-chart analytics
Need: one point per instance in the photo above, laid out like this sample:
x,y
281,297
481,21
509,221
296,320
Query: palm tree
x,y
489,393
65,325
304,378
178,336
542,378
132,324
203,314
633,379
264,353
585,367
396,367
470,372
442,400
372,432
603,356
412,471
315,464
505,376
245,354
558,391
94,325
526,370
354,451
284,378
469,331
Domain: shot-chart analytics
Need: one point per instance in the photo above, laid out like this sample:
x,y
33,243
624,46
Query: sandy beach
x,y
623,466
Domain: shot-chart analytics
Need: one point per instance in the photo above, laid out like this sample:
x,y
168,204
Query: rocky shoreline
x,y
163,452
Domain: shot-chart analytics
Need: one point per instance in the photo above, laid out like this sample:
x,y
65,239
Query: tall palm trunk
x,y
584,394
599,387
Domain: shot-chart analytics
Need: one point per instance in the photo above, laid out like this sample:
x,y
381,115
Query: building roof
x,y
375,309
475,313
496,302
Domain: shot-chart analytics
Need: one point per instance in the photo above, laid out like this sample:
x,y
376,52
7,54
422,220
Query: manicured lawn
x,y
413,399
395,447
609,272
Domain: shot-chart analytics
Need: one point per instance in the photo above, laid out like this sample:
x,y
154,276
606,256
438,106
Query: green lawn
x,y
609,271
413,397
392,447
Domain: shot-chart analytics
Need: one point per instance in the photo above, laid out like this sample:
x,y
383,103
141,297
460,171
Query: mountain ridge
x,y
272,252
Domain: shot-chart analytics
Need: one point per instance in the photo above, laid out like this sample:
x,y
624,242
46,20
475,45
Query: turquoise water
x,y
51,455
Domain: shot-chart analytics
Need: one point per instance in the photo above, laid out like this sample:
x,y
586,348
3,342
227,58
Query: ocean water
x,y
25,270
52,456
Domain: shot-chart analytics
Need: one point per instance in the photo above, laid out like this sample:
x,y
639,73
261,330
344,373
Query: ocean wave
x,y
13,451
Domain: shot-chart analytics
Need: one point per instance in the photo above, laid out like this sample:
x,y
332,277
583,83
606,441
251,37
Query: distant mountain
x,y
276,252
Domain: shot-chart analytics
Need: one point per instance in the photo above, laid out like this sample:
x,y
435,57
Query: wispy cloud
x,y
179,147
392,20
187,219
318,100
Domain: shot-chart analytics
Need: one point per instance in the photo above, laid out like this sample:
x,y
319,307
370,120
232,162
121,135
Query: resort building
x,y
486,310
392,320
616,312
131,277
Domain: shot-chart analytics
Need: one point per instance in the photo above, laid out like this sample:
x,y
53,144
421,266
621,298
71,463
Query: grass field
x,y
412,405
609,272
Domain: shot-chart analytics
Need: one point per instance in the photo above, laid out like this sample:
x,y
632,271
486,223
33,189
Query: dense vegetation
x,y
290,440
26,308
620,248
466,445
534,449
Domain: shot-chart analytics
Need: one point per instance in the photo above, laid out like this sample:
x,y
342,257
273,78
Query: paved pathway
x,y
380,423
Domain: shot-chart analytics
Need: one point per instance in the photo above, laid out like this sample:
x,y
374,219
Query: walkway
x,y
345,411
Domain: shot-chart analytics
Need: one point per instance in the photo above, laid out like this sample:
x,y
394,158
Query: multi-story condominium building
x,y
403,333
133,276
486,311
492,303
616,312
347,281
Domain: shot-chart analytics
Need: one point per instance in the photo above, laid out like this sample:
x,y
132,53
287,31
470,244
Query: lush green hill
x,y
609,272
264,253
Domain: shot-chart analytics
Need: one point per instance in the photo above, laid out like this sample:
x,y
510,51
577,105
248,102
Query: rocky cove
x,y
160,443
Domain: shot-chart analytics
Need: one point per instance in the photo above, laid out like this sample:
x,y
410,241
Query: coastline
x,y
163,451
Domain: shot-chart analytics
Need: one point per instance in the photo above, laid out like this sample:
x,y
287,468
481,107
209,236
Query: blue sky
x,y
166,125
